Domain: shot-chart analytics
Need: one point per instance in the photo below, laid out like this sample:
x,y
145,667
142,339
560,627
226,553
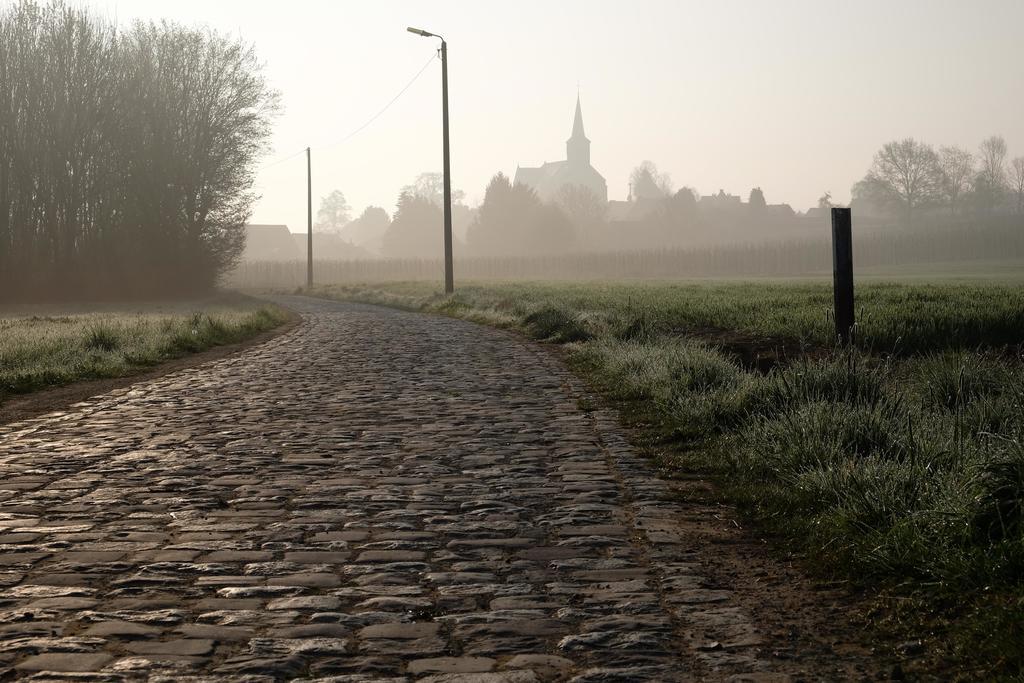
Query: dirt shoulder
x,y
24,406
819,625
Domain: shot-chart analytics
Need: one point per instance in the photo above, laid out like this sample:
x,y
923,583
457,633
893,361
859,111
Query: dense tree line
x,y
910,179
513,221
417,227
910,183
126,157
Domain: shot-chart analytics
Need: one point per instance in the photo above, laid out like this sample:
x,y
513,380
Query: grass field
x,y
43,347
897,465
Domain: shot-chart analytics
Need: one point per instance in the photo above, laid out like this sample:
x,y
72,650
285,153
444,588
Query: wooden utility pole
x,y
449,277
842,273
309,221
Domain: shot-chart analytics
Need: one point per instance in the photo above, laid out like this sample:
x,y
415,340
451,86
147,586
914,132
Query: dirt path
x,y
375,495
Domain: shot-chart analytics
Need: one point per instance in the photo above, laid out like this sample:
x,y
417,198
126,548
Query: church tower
x,y
551,178
577,147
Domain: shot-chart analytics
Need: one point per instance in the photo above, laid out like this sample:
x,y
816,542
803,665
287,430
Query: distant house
x,y
780,211
269,243
721,201
549,179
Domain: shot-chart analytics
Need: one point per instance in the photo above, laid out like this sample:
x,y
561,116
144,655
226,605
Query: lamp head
x,y
420,32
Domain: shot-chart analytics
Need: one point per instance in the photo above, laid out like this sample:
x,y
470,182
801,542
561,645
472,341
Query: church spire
x,y
577,147
577,123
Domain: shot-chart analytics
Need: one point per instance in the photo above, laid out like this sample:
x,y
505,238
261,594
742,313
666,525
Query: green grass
x,y
895,318
897,465
44,351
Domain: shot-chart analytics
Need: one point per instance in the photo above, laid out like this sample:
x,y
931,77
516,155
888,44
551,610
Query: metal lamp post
x,y
449,278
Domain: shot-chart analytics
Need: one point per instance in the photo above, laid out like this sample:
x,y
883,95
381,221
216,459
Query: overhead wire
x,y
384,109
280,161
363,126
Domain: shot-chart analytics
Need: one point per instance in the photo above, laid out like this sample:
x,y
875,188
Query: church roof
x,y
547,179
537,175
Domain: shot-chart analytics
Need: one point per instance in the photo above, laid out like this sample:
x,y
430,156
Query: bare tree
x,y
430,186
1017,181
907,173
334,213
958,170
993,162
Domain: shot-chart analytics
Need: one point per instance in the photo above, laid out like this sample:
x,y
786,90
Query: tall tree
x,y
646,182
872,197
334,213
1017,181
416,230
685,200
993,163
958,169
368,230
906,172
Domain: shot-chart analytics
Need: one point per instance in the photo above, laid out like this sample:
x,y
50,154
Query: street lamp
x,y
449,278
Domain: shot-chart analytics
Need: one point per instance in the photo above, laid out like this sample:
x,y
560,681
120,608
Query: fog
x,y
793,97
578,130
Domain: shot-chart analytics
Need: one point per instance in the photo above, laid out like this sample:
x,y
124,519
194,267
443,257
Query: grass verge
x,y
896,465
45,351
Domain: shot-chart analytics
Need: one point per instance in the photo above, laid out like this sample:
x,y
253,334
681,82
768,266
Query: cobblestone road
x,y
375,495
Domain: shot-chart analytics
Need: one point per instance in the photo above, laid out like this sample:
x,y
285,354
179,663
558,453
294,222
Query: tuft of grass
x,y
556,324
101,337
999,513
953,380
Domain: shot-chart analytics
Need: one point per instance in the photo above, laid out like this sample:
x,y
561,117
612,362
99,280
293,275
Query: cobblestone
x,y
375,495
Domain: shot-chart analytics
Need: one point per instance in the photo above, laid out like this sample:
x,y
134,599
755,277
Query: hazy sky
x,y
792,96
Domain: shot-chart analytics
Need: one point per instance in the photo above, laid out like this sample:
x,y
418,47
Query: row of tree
x,y
513,220
909,179
126,157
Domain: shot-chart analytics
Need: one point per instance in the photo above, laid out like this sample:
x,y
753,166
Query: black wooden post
x,y
842,273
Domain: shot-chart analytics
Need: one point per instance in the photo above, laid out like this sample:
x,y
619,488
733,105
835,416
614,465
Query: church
x,y
549,179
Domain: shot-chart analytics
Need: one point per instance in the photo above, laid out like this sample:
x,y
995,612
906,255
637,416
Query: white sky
x,y
794,96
